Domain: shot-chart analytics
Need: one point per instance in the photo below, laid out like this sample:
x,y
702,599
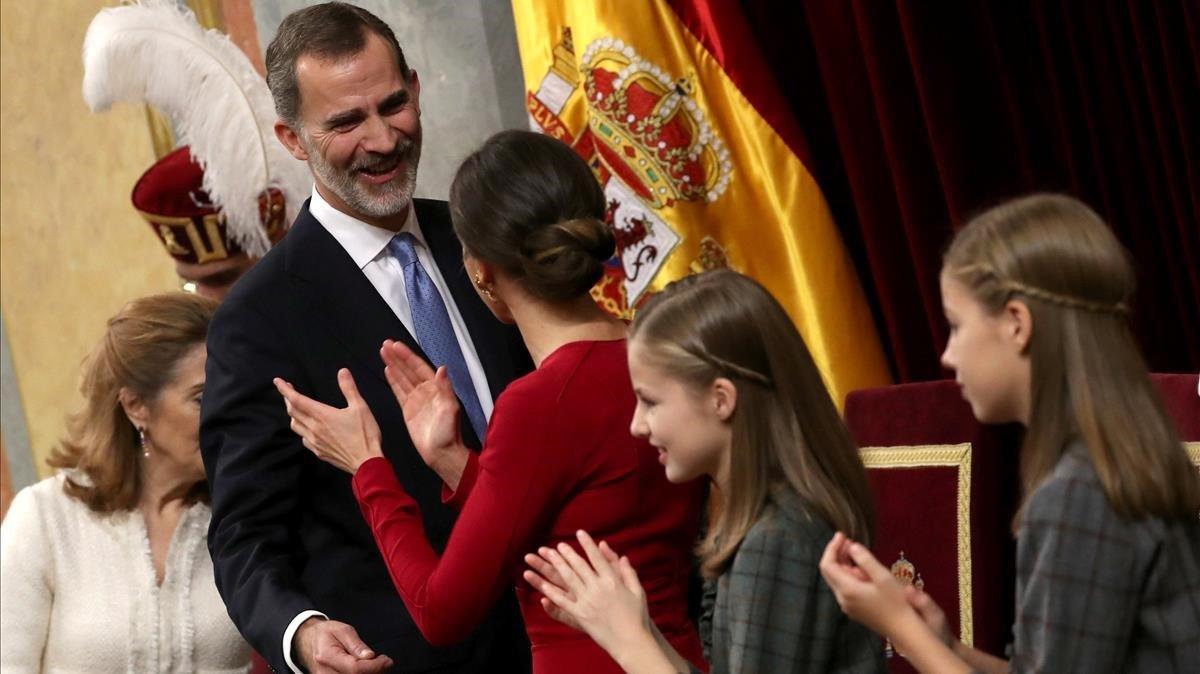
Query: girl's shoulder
x,y
1072,493
1072,502
787,528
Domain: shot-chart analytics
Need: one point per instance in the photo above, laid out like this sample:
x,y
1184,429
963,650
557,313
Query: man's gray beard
x,y
392,201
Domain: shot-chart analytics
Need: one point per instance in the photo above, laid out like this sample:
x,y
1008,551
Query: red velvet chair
x,y
946,489
1182,401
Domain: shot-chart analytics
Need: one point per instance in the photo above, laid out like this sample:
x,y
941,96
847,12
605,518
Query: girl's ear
x,y
724,398
1018,324
135,409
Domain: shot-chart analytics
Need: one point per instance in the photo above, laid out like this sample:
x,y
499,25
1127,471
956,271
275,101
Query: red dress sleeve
x,y
458,497
521,482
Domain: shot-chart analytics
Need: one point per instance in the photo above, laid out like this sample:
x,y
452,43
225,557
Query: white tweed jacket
x,y
78,592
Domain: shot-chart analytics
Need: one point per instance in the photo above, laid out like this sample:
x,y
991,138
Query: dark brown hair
x,y
140,351
531,205
1088,378
786,430
332,30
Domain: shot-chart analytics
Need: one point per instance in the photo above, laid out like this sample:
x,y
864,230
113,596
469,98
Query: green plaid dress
x,y
772,611
1097,592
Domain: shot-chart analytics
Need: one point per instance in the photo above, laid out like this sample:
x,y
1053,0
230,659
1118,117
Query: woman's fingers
x,y
299,406
536,580
629,575
412,361
549,591
598,561
544,569
403,372
442,380
404,360
561,615
579,565
570,579
834,572
349,387
864,560
829,558
608,552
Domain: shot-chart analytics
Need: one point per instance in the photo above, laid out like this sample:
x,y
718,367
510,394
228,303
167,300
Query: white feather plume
x,y
154,51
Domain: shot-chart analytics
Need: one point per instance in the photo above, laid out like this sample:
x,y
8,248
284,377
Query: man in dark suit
x,y
294,560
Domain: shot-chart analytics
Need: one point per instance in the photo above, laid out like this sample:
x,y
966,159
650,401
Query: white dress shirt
x,y
367,246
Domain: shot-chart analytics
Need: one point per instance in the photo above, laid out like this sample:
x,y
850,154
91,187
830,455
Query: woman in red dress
x,y
558,455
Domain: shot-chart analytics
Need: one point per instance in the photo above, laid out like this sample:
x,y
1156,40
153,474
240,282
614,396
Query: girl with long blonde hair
x,y
727,389
1037,292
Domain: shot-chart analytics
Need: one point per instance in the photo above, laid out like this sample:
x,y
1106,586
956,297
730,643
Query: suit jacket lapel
x,y
342,300
345,303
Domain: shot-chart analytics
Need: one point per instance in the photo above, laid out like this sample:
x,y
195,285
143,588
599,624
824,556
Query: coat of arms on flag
x,y
648,142
694,175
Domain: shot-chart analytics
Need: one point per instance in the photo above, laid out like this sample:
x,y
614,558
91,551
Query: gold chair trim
x,y
954,456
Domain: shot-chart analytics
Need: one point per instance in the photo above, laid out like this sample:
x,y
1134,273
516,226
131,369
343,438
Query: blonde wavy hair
x,y
142,345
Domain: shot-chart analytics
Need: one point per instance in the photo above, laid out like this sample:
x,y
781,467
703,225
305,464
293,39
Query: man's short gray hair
x,y
332,30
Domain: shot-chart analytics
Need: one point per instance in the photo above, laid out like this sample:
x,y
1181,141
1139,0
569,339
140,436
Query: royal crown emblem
x,y
906,573
653,133
650,145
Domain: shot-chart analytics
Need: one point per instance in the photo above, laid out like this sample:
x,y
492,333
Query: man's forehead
x,y
323,75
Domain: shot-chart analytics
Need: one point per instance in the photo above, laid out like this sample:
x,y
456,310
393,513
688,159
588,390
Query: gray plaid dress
x,y
1100,593
772,611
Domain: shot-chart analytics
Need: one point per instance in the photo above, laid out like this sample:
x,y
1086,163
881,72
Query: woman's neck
x,y
547,326
163,485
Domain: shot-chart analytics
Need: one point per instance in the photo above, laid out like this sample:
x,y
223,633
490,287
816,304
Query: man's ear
x,y
1018,323
290,139
724,398
414,88
135,408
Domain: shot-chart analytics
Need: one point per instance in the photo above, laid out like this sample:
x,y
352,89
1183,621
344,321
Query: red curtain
x,y
919,114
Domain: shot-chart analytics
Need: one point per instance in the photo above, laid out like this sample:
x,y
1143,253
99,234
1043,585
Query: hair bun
x,y
567,258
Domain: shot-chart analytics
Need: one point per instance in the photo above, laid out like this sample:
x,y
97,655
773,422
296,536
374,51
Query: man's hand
x,y
331,647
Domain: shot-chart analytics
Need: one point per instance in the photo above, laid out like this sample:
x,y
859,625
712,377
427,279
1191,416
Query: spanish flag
x,y
665,102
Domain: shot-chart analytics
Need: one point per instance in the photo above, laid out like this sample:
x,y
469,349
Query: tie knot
x,y
403,247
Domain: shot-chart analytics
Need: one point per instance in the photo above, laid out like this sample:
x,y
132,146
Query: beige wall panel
x,y
72,249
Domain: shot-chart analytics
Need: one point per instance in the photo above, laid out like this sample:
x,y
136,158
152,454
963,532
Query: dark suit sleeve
x,y
254,463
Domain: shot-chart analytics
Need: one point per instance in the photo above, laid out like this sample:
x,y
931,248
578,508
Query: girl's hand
x,y
866,590
932,614
343,437
430,409
543,571
597,595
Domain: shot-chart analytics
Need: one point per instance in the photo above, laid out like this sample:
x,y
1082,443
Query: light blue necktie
x,y
435,334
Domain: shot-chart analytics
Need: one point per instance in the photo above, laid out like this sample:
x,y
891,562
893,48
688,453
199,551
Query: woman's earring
x,y
142,439
482,288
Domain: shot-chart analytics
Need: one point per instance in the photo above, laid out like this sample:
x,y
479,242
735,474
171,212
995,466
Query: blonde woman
x,y
1037,292
104,566
726,389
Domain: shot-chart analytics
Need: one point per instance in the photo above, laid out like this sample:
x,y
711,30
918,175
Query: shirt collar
x,y
363,241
